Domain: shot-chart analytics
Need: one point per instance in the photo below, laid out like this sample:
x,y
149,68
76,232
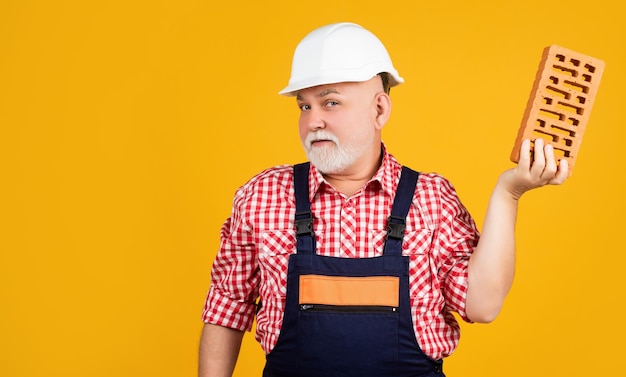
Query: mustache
x,y
319,136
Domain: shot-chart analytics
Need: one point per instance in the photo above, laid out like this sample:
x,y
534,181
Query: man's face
x,y
338,124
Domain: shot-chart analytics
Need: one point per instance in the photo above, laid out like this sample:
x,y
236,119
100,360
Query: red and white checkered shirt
x,y
259,236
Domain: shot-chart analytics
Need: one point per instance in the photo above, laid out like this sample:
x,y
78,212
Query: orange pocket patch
x,y
349,291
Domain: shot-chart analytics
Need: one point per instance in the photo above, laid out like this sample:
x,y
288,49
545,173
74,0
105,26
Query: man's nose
x,y
315,119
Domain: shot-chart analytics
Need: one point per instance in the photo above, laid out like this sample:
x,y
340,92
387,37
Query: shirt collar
x,y
388,173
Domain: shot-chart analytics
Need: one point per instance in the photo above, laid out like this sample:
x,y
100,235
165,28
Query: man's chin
x,y
325,167
330,159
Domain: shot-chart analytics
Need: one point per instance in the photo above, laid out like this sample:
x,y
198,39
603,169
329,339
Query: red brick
x,y
560,102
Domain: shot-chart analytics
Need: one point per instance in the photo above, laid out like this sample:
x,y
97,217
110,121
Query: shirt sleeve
x,y
231,298
455,237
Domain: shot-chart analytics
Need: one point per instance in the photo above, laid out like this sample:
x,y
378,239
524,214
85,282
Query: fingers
x,y
525,156
562,173
551,166
544,166
539,160
535,169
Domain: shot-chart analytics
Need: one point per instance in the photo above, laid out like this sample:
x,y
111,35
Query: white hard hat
x,y
342,52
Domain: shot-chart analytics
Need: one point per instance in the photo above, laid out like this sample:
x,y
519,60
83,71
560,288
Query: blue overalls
x,y
341,317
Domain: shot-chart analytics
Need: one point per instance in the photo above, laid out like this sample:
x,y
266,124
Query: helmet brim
x,y
293,88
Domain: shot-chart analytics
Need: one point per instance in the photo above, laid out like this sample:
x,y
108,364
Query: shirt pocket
x,y
416,243
276,247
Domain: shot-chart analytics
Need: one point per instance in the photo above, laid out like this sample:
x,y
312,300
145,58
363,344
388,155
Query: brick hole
x,y
564,70
590,68
573,121
558,92
575,86
570,108
540,134
561,153
566,133
551,114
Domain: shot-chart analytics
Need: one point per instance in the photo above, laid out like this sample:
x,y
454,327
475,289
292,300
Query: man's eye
x,y
304,107
332,103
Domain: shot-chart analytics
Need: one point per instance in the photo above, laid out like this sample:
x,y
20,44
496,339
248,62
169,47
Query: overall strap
x,y
305,238
401,205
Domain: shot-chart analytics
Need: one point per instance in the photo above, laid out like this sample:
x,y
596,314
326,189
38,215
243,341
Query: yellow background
x,y
126,126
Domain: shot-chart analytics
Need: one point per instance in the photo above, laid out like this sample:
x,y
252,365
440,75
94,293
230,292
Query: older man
x,y
352,263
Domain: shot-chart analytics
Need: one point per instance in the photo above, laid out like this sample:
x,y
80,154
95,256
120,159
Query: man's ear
x,y
382,105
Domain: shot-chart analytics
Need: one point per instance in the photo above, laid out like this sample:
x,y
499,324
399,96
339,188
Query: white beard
x,y
333,159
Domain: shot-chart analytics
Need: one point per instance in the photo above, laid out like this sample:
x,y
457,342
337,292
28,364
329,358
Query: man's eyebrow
x,y
323,93
327,92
